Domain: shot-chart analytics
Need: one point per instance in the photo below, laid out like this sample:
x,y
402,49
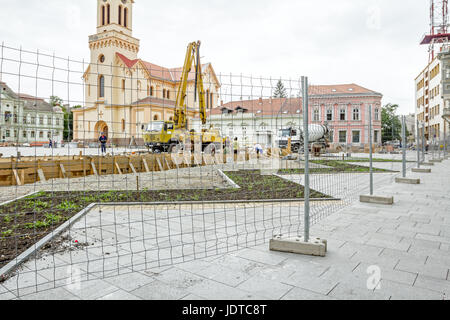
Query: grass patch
x,y
335,166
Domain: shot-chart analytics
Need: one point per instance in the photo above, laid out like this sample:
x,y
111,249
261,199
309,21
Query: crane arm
x,y
192,57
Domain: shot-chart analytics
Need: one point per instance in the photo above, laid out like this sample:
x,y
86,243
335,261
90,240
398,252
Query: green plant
x,y
67,205
7,233
7,218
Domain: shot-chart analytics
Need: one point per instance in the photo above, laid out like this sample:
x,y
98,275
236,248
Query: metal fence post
x,y
423,142
306,147
418,143
404,145
370,150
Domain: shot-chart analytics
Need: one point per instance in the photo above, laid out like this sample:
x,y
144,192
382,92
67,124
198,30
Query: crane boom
x,y
192,58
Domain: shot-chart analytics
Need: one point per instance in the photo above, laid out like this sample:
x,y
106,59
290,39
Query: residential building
x,y
122,92
28,119
345,108
429,101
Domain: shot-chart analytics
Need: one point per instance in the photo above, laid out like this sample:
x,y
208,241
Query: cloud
x,y
373,43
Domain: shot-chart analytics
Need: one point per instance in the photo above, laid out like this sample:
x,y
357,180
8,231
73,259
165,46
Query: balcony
x,y
446,114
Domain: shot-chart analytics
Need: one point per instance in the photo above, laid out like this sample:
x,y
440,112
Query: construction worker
x,y
103,139
236,148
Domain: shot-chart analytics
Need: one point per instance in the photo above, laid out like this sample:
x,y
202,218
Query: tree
x,y
391,126
68,116
56,101
280,90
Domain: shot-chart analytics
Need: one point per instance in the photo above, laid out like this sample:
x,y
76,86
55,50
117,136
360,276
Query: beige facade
x,y
124,93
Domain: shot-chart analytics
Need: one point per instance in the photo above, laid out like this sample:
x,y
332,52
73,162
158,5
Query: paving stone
x,y
347,291
158,290
302,294
120,295
130,281
273,290
400,291
91,290
55,294
438,285
435,270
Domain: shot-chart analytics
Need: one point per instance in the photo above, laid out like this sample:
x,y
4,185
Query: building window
x,y
24,134
41,120
356,137
101,86
103,15
57,121
49,134
151,91
41,134
343,114
7,116
108,13
123,84
164,93
125,17
377,114
329,115
120,15
33,134
355,114
155,118
168,94
49,120
331,136
123,125
7,133
16,118
342,136
211,96
375,136
316,115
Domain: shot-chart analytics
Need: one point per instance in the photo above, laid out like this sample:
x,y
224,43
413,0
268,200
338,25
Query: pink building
x,y
346,110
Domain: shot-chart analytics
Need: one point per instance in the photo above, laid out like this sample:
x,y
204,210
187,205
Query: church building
x,y
124,93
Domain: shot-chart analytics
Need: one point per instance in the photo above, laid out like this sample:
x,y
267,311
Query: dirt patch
x,y
26,221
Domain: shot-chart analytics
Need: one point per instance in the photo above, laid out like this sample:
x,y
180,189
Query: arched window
x,y
168,94
125,17
101,86
103,15
151,91
156,118
164,93
108,14
123,125
120,15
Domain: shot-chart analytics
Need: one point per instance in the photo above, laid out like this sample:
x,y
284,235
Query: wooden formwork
x,y
30,170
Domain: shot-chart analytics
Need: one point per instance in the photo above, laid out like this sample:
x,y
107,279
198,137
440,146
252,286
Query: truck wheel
x,y
172,147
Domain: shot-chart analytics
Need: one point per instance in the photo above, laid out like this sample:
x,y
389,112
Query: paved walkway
x,y
374,252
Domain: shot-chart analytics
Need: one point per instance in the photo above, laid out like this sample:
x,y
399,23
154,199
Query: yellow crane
x,y
163,136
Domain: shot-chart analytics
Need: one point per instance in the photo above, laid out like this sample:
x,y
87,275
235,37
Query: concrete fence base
x,y
315,247
407,181
420,170
376,199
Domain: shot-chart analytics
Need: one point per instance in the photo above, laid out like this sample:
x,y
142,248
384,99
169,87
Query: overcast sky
x,y
373,43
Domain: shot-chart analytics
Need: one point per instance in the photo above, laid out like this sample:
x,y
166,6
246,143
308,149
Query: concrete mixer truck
x,y
319,138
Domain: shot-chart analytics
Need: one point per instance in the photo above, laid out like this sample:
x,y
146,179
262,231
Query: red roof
x,y
173,74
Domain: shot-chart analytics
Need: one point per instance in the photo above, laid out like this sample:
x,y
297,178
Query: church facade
x,y
124,93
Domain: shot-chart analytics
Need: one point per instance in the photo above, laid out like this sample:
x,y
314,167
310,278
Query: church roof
x,y
155,71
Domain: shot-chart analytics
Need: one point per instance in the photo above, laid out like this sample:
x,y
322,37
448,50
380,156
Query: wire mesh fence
x,y
120,165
